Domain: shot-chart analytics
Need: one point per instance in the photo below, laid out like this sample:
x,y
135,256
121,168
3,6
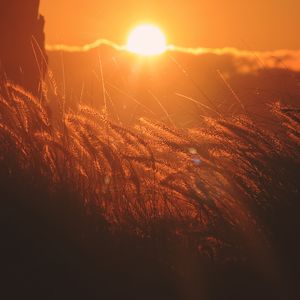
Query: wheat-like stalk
x,y
213,181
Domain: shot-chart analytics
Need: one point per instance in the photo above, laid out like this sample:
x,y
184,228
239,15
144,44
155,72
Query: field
x,y
147,210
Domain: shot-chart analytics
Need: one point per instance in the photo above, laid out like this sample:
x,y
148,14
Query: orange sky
x,y
256,24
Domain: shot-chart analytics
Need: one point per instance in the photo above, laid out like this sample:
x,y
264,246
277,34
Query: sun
x,y
147,40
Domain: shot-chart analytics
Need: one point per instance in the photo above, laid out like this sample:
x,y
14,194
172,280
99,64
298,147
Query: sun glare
x,y
147,40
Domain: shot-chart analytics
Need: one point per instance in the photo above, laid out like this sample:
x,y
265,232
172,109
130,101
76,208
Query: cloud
x,y
84,48
250,60
246,61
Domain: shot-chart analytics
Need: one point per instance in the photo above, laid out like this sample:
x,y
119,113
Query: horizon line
x,y
172,48
286,58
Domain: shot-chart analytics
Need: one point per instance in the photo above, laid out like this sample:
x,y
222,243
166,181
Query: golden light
x,y
147,40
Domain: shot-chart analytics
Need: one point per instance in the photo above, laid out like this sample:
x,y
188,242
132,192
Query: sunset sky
x,y
256,24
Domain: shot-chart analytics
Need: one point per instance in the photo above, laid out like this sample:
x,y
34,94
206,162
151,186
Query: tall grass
x,y
150,173
226,188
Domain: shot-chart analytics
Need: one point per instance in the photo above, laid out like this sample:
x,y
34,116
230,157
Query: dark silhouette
x,y
22,48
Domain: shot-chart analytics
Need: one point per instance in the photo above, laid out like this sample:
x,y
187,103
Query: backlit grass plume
x,y
218,185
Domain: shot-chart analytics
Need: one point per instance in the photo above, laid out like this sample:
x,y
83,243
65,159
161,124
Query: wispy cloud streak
x,y
86,47
284,58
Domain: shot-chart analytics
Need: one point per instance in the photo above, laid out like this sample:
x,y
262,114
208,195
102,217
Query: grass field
x,y
90,207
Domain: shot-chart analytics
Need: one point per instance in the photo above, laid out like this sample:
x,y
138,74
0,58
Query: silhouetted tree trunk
x,y
23,58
